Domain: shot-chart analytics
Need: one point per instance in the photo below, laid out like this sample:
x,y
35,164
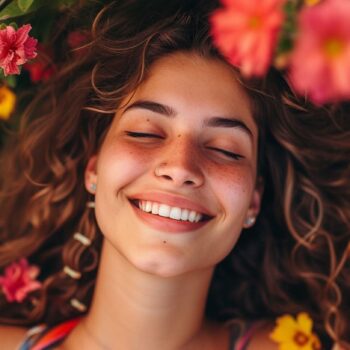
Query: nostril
x,y
189,182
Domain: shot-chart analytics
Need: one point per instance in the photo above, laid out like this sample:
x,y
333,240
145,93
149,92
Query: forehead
x,y
195,86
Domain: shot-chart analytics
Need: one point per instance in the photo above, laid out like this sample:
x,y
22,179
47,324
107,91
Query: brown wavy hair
x,y
294,259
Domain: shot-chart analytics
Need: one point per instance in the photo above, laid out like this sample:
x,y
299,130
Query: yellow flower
x,y
312,2
297,334
7,102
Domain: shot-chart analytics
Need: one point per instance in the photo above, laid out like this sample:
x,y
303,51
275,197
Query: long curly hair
x,y
295,258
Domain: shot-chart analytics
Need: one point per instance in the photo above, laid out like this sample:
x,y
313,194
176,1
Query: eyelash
x,y
227,153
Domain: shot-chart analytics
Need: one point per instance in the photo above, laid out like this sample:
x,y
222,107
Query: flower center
x,y
311,2
300,338
254,22
333,47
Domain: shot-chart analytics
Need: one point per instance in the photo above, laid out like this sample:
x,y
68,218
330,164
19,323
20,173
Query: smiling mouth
x,y
135,203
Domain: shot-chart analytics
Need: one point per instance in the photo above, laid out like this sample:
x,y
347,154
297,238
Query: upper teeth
x,y
168,211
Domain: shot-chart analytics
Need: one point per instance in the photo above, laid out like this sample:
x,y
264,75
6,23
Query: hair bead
x,y
82,239
90,204
71,273
78,305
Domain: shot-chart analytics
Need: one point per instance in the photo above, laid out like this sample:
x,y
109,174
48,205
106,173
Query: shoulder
x,y
12,337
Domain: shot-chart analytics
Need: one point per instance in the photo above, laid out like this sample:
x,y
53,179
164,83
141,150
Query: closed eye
x,y
141,134
227,153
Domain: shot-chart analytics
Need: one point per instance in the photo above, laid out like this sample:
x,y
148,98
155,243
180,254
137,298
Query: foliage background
x,y
51,27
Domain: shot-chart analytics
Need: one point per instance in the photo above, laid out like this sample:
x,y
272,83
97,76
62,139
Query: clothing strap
x,y
246,337
242,333
45,338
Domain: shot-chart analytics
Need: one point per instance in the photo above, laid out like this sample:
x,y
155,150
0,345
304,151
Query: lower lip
x,y
166,224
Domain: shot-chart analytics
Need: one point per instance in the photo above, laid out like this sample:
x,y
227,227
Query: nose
x,y
179,165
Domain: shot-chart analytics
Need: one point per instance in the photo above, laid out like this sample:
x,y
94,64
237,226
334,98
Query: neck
x,y
134,309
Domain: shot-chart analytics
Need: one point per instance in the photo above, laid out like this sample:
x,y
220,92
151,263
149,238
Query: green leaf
x,y
24,4
14,25
13,10
11,81
10,11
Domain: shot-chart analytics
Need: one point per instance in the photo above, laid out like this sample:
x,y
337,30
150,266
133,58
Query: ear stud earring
x,y
249,221
93,187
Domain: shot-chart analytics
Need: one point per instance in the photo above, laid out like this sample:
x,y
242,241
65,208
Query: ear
x,y
255,203
91,174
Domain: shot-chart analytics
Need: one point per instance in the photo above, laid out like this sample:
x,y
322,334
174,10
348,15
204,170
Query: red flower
x,y
39,71
246,33
43,67
76,40
320,62
19,280
16,48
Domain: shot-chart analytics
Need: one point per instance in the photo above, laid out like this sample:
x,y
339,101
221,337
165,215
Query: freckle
x,y
179,135
147,119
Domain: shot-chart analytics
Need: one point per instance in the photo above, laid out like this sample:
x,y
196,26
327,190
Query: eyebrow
x,y
167,111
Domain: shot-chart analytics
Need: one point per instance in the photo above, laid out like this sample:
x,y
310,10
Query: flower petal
x,y
19,280
304,322
246,33
285,329
16,48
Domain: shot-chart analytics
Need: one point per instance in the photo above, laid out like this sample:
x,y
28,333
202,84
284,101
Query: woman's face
x,y
201,154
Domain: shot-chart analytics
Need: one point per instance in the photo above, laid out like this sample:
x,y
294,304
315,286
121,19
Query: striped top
x,y
48,338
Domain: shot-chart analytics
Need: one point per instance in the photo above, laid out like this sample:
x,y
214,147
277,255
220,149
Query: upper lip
x,y
173,201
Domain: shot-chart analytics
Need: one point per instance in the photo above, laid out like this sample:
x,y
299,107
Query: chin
x,y
159,264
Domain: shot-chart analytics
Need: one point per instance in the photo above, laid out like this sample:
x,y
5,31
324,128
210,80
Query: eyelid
x,y
229,154
143,134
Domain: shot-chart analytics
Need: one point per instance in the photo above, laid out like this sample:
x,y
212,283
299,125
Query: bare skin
x,y
152,286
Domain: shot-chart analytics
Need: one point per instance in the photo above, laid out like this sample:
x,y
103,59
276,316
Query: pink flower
x,y
19,280
246,33
16,48
320,63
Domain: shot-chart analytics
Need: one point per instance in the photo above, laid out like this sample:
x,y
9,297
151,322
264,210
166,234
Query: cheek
x,y
233,186
120,164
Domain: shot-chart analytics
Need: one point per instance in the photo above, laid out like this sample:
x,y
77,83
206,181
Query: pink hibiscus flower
x,y
246,33
320,62
19,280
16,48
